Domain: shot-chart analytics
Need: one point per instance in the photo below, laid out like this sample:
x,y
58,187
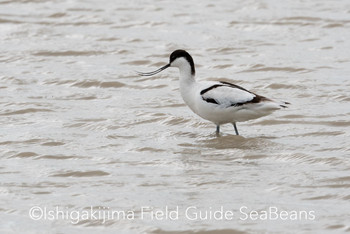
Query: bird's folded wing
x,y
227,95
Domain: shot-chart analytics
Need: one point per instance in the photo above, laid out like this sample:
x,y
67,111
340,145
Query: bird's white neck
x,y
187,86
185,75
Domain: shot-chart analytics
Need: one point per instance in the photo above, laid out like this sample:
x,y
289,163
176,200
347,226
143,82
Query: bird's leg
x,y
236,130
217,129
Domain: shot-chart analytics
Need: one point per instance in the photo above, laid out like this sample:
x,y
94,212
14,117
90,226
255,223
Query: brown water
x,y
81,132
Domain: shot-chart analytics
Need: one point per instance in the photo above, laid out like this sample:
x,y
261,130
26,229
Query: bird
x,y
220,102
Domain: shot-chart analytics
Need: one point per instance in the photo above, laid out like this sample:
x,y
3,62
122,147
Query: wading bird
x,y
217,101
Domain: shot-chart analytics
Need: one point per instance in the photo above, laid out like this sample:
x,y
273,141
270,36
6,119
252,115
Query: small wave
x,y
323,133
309,159
53,143
82,9
25,111
113,137
68,53
30,141
2,21
142,87
325,123
223,66
285,86
25,155
339,226
101,84
86,125
173,121
309,39
324,197
109,39
57,15
137,62
339,179
13,80
262,68
228,50
230,141
326,48
149,149
342,98
302,18
57,157
254,157
293,116
81,174
273,122
300,21
41,192
334,25
138,122
201,231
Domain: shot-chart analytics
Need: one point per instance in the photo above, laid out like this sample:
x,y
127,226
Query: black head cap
x,y
182,53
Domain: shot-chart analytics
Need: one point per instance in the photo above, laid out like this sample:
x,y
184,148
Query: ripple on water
x,y
86,83
309,159
200,231
25,155
25,142
230,50
175,121
100,84
53,143
338,226
286,86
338,123
68,53
150,149
59,157
236,142
137,62
263,68
26,111
95,173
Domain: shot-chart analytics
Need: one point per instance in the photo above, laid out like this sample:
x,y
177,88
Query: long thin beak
x,y
154,72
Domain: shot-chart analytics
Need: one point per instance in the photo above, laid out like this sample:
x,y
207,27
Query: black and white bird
x,y
217,101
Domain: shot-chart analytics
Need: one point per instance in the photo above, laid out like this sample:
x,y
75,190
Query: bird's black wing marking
x,y
210,100
256,99
234,86
210,88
